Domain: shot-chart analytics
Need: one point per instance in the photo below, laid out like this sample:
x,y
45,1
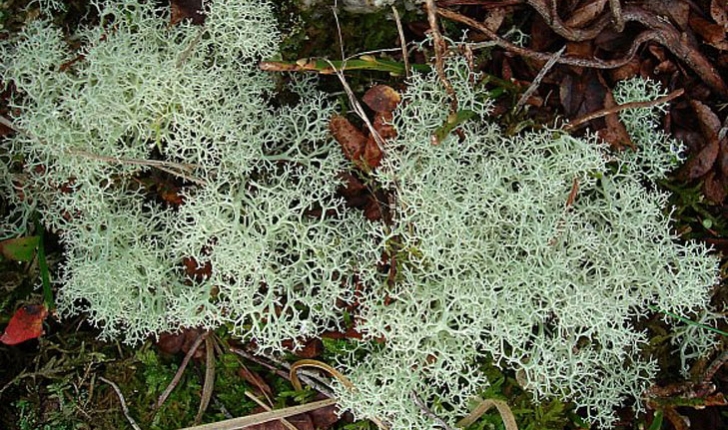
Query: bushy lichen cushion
x,y
537,250
139,92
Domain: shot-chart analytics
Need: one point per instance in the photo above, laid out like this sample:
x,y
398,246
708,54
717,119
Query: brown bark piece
x,y
352,140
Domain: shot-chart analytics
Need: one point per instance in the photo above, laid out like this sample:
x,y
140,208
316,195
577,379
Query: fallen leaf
x,y
170,343
707,119
615,133
713,34
26,324
20,248
714,188
195,271
719,12
586,13
494,18
352,140
382,98
372,155
312,348
325,417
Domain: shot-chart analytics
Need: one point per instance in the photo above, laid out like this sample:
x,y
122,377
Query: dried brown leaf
x,y
719,12
586,13
325,418
714,187
352,140
494,19
707,119
382,98
713,34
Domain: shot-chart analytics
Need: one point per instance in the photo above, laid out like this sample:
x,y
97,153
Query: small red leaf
x,y
26,324
382,98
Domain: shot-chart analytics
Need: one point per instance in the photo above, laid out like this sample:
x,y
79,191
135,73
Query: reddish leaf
x,y
713,34
383,125
352,140
615,134
708,120
195,271
702,162
382,98
26,324
372,154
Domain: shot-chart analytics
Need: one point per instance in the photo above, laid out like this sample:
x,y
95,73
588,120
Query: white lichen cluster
x,y
137,90
537,251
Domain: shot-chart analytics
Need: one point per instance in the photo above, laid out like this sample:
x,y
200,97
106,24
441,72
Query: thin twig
x,y
440,51
614,109
402,42
338,28
209,383
283,421
308,377
537,81
124,408
581,62
714,366
425,410
181,369
264,417
358,109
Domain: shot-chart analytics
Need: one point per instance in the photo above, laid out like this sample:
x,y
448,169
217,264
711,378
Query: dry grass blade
x,y
263,417
425,410
284,421
402,42
209,383
537,81
440,51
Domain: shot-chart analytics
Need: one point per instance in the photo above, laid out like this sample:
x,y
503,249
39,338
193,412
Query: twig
x,y
338,28
209,383
264,417
283,421
614,109
581,62
181,369
358,109
305,376
440,51
402,42
124,408
714,366
537,81
425,410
